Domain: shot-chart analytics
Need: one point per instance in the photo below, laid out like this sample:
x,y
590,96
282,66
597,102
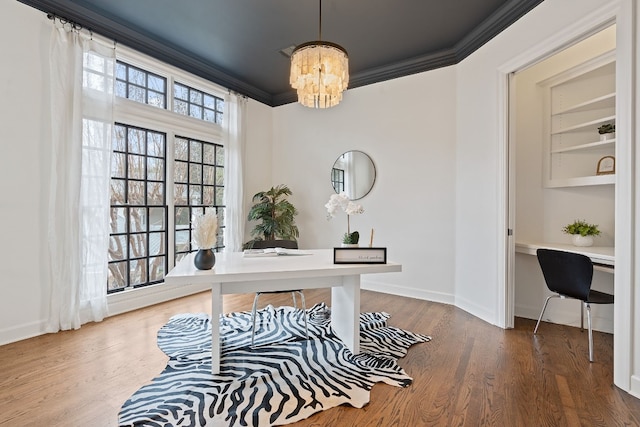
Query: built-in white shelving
x,y
579,101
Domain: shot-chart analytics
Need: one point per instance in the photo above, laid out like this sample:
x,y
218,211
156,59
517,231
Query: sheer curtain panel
x,y
81,137
234,125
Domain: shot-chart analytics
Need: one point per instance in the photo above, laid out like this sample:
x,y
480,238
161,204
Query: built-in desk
x,y
603,257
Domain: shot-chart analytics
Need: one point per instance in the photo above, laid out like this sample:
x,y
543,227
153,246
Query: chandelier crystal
x,y
319,72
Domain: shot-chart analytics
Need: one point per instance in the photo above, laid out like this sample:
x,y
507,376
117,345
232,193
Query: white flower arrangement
x,y
205,230
342,201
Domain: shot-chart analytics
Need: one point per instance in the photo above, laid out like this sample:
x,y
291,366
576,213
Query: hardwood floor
x,y
471,373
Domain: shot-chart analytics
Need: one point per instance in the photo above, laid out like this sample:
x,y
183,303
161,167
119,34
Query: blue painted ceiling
x,y
238,43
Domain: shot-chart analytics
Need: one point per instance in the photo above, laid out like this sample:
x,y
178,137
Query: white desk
x,y
234,274
603,257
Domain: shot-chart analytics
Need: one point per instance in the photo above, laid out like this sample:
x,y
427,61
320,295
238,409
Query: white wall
x,y
407,126
257,154
480,157
24,119
479,154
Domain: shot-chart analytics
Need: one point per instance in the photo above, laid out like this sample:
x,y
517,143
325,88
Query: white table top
x,y
598,254
234,267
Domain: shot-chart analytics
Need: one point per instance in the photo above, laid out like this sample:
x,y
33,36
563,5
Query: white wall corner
x,y
476,310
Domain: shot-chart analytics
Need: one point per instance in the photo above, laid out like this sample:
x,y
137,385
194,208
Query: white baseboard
x,y
635,386
22,332
118,303
134,299
402,291
476,310
565,317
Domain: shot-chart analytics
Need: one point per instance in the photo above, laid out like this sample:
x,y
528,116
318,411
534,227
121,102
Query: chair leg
x,y
295,303
590,332
581,316
304,313
544,307
253,317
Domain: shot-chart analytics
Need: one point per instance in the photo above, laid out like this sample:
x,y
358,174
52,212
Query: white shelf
x,y
604,101
581,147
577,102
582,181
585,125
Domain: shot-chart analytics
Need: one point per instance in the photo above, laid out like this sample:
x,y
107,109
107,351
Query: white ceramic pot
x,y
606,136
579,240
350,245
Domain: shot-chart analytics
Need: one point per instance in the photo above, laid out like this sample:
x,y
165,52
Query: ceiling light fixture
x,y
319,72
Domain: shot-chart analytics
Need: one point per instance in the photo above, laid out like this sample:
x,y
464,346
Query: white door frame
x,y
623,13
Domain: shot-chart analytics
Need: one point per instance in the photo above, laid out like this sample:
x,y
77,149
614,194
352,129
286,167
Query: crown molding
x,y
147,45
493,25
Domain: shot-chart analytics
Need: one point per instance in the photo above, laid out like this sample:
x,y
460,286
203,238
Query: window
x,y
337,179
140,86
138,240
194,103
165,169
198,185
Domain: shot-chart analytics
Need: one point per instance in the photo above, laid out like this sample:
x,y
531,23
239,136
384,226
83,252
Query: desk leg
x,y
216,310
345,312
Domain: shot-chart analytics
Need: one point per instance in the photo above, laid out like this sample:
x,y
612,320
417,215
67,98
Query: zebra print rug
x,y
284,378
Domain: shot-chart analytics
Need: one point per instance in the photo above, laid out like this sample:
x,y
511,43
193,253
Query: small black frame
x,y
359,255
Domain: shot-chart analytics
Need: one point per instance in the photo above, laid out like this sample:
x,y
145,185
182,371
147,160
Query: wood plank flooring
x,y
471,373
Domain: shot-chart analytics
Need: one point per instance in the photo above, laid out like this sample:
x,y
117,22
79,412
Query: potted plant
x,y
607,131
276,214
342,201
581,232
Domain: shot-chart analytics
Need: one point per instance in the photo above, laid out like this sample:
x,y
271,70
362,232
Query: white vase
x,y
349,245
579,240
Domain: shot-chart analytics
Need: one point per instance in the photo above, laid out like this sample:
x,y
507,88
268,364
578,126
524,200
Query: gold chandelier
x,y
319,72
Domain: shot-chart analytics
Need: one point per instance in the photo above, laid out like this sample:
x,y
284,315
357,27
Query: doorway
x,y
559,104
625,195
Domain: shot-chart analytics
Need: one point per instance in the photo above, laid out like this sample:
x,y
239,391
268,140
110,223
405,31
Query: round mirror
x,y
354,173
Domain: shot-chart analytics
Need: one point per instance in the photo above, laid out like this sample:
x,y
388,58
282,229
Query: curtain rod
x,y
65,21
71,25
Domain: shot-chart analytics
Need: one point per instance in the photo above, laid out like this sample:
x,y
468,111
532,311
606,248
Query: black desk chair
x,y
287,244
569,276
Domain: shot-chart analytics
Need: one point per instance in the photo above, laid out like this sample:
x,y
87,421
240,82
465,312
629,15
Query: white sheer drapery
x,y
234,141
81,125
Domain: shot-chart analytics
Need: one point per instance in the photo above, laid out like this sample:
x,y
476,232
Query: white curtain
x,y
81,125
234,126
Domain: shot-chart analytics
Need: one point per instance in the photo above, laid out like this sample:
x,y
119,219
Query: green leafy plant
x,y
608,128
351,238
582,228
276,214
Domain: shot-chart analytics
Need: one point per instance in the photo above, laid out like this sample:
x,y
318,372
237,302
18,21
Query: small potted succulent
x,y
607,131
581,232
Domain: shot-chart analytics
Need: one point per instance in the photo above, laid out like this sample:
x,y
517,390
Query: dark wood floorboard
x,y
470,374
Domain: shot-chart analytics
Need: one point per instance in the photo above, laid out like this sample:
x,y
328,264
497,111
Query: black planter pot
x,y
205,259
